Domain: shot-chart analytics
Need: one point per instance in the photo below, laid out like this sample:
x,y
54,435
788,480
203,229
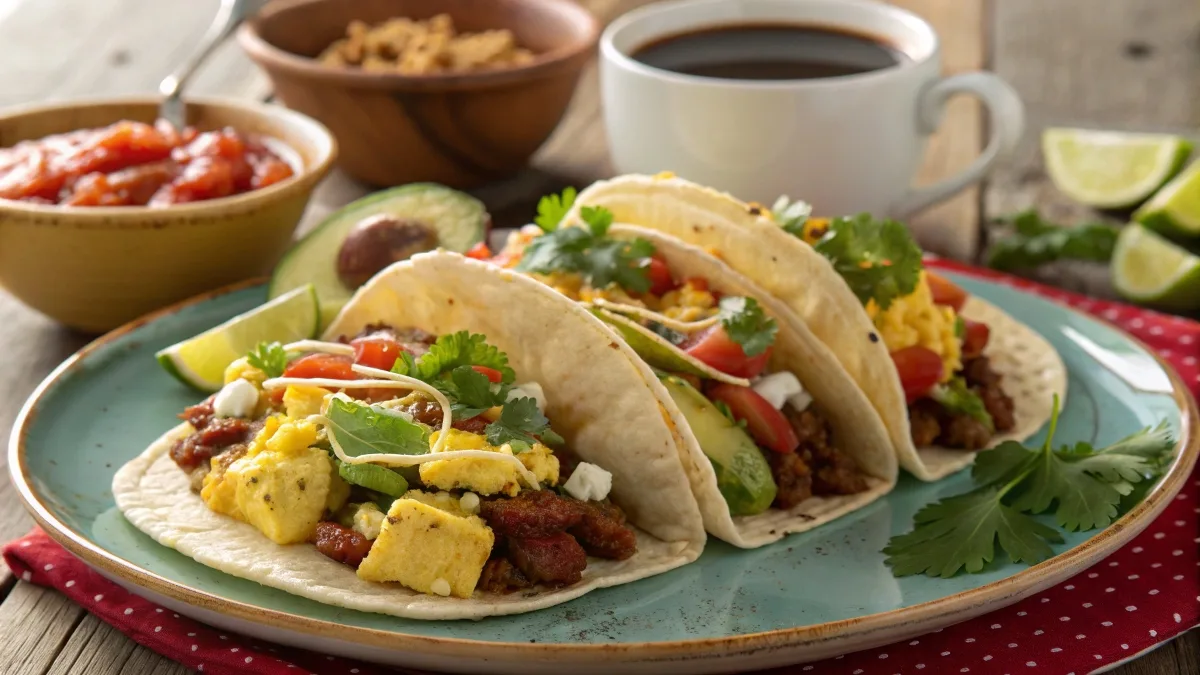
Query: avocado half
x,y
460,220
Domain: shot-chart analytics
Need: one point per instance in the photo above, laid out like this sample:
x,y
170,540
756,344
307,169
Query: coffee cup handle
x,y
1007,121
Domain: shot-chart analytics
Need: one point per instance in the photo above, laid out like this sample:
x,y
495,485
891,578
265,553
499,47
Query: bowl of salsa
x,y
107,213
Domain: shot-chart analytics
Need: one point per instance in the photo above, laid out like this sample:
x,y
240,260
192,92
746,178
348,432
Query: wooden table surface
x,y
1121,64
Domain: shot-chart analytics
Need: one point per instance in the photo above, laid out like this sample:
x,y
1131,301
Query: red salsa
x,y
137,164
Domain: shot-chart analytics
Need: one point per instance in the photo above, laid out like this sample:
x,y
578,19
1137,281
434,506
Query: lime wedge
x,y
1148,269
200,362
1111,170
1175,209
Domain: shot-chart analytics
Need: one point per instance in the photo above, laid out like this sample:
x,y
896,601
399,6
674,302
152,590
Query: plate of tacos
x,y
657,427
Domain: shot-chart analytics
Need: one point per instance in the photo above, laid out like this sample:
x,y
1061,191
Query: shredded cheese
x,y
673,324
320,346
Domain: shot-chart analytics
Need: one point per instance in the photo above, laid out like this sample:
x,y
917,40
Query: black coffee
x,y
769,52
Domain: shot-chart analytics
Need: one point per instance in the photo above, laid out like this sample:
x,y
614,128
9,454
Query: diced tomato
x,y
331,366
479,251
920,369
975,338
698,283
946,292
492,374
376,352
766,425
715,348
660,275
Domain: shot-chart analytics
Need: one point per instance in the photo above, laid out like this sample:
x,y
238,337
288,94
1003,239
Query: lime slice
x,y
1148,269
1111,170
201,361
1175,209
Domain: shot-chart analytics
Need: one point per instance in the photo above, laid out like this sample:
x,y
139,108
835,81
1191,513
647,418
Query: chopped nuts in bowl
x,y
458,92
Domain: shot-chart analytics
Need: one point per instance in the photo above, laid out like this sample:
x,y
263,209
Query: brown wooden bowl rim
x,y
123,216
569,56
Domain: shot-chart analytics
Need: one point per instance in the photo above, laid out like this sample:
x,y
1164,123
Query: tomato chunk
x,y
660,275
975,338
494,376
479,251
767,426
376,352
697,283
920,368
715,348
331,366
946,292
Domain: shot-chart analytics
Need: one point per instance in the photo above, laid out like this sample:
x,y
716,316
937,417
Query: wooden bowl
x,y
461,130
95,268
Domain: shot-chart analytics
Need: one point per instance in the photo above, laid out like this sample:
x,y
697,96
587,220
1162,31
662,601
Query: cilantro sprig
x,y
588,251
791,216
879,259
1035,241
269,357
956,397
521,425
1083,486
746,324
451,351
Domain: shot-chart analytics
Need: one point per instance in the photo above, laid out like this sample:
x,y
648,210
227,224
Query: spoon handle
x,y
230,14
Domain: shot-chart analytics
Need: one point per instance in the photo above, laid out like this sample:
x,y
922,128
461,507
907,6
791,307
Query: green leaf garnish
x,y
746,324
1035,242
451,351
362,429
879,259
589,251
269,357
373,477
470,391
520,425
791,216
1086,489
956,397
552,209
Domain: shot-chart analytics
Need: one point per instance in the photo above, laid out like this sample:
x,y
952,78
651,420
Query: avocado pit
x,y
378,241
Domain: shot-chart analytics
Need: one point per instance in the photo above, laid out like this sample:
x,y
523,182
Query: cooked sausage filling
x,y
934,424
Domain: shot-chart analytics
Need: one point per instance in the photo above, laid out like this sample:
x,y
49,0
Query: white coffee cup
x,y
846,144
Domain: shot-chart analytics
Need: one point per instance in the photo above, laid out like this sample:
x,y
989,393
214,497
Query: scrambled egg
x,y
241,369
439,500
282,485
688,303
484,476
428,549
915,320
302,400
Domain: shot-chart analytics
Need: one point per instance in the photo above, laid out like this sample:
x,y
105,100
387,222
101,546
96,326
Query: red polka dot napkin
x,y
1146,593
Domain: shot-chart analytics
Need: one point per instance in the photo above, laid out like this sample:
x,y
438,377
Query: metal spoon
x,y
230,14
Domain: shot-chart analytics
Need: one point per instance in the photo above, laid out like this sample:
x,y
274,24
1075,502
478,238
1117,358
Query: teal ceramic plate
x,y
809,596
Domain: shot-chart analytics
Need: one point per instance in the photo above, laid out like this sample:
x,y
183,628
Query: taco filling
x,y
412,458
770,444
955,398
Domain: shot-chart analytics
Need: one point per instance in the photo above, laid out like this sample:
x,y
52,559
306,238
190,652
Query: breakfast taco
x,y
949,374
777,436
463,443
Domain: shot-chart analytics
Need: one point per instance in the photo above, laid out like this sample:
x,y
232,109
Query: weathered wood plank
x,y
35,623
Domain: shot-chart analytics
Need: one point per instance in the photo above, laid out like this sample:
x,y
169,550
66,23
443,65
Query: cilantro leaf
x,y
552,209
598,219
269,357
879,259
791,216
470,392
362,429
957,397
591,253
961,532
611,261
746,324
451,351
1083,503
520,425
1001,464
1036,242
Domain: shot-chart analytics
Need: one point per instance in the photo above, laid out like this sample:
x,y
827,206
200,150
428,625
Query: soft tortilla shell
x,y
807,283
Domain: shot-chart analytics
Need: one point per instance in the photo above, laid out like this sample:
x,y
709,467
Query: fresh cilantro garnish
x,y
553,208
1035,242
269,357
725,410
879,259
587,251
960,327
1083,486
451,351
362,429
470,391
956,397
521,425
791,216
746,324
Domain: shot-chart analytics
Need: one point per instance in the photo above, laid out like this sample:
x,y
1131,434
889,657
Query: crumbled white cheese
x,y
469,502
780,388
531,390
440,587
367,520
236,399
588,482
